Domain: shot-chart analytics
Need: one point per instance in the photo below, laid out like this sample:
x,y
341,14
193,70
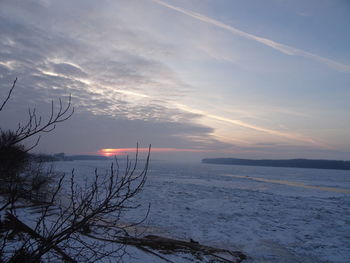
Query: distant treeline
x,y
63,157
296,163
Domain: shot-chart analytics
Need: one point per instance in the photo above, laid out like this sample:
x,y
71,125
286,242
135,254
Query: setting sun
x,y
125,151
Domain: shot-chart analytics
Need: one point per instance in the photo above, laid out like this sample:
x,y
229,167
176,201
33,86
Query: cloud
x,y
289,50
57,62
288,135
68,69
121,95
122,91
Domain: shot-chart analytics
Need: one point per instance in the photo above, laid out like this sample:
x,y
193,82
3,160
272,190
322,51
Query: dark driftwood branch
x,y
12,222
147,244
169,245
173,245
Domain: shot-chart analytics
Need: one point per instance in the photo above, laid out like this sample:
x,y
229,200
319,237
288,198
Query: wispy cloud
x,y
289,50
292,136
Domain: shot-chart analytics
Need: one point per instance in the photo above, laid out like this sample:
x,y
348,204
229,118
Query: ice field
x,y
270,214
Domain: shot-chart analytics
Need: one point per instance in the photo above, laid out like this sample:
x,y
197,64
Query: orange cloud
x,y
125,151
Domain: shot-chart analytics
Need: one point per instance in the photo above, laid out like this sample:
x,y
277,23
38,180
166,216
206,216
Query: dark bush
x,y
13,157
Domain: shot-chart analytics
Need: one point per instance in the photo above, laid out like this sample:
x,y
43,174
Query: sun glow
x,y
125,151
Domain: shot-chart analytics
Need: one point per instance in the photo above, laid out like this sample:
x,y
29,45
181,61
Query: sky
x,y
193,78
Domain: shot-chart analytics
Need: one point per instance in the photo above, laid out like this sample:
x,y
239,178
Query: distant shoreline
x,y
291,163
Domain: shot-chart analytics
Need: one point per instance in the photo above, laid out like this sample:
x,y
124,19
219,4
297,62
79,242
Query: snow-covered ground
x,y
271,214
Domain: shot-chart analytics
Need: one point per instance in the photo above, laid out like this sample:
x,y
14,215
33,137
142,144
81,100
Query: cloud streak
x,y
292,136
288,50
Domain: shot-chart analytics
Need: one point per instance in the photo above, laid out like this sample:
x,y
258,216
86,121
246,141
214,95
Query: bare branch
x,y
8,95
35,126
84,227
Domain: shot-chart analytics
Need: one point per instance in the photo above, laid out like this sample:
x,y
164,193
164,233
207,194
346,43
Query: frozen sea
x,y
271,214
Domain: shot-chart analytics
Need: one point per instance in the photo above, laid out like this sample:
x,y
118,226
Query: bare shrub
x,y
75,223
